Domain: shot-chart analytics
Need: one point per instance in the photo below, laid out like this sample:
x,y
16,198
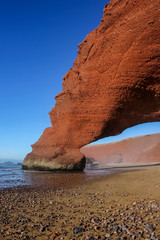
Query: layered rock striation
x,y
114,84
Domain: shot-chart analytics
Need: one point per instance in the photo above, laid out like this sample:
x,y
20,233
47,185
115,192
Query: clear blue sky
x,y
38,45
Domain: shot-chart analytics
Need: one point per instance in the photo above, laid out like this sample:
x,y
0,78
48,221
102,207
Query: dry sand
x,y
120,206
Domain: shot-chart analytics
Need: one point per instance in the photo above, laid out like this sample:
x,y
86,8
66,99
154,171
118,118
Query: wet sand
x,y
123,205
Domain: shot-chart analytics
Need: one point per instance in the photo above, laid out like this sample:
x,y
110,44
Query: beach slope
x,y
123,205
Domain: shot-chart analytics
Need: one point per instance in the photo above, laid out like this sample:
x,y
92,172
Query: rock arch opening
x,y
135,146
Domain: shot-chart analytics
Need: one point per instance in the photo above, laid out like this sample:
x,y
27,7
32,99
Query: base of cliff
x,y
45,164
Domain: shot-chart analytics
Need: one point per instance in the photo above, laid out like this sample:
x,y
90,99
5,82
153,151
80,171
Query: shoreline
x,y
124,166
30,178
122,205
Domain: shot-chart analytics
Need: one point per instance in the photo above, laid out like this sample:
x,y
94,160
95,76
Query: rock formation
x,y
143,149
114,84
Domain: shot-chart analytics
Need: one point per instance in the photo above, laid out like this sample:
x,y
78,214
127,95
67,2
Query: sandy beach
x,y
122,205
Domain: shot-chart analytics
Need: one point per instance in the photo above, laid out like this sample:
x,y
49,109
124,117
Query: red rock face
x,y
114,84
144,149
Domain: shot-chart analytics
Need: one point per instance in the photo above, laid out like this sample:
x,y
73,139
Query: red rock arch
x,y
114,84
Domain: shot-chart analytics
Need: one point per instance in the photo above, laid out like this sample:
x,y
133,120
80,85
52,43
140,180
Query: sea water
x,y
12,175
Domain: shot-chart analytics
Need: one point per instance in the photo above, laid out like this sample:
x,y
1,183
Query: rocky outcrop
x,y
114,84
143,149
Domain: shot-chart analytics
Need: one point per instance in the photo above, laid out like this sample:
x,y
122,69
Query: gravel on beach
x,y
120,206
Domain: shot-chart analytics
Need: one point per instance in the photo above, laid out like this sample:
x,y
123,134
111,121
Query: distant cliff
x,y
143,149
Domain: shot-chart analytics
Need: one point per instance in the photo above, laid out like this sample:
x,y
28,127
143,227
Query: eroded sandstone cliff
x,y
114,84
